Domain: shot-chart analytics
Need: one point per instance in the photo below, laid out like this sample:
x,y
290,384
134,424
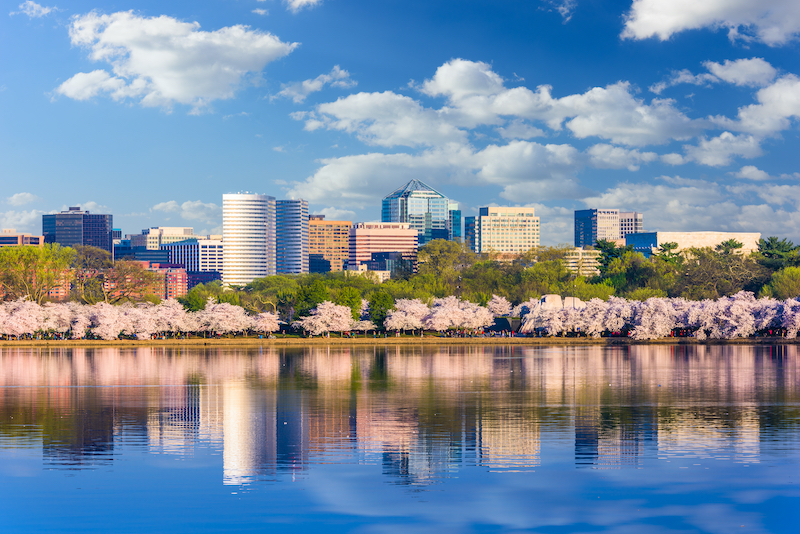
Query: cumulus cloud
x,y
754,72
336,214
518,129
262,12
20,199
191,210
296,5
298,91
33,10
751,172
719,151
605,156
160,61
22,221
778,103
774,22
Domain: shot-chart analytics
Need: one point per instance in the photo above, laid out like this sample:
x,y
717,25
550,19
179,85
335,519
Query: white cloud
x,y
719,151
754,72
33,10
296,5
565,8
605,156
89,205
298,91
20,199
777,104
262,12
191,210
160,61
774,22
673,159
387,119
518,129
335,214
750,172
22,221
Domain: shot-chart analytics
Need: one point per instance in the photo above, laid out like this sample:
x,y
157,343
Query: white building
x,y
593,225
504,230
248,230
291,222
197,254
583,261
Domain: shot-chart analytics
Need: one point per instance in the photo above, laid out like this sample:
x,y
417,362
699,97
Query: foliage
x,y
31,272
784,284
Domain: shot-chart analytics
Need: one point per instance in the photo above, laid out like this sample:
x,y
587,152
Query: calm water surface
x,y
419,440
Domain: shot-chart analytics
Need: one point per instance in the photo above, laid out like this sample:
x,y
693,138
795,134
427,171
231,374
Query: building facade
x,y
328,241
76,227
583,261
11,238
503,230
248,230
196,254
648,242
610,224
291,238
370,237
153,238
424,209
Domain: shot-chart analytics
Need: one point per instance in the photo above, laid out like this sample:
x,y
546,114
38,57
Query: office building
x,y
648,242
10,238
328,241
248,229
76,227
424,209
583,261
592,225
196,254
370,237
291,238
453,221
503,230
153,238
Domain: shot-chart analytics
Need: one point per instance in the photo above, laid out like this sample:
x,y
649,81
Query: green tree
x,y
609,251
713,273
775,254
350,297
308,296
130,281
785,284
31,272
380,304
90,265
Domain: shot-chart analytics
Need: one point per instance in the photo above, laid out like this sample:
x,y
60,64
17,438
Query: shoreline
x,y
433,340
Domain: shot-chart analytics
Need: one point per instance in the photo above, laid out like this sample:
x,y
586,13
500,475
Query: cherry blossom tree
x,y
524,308
655,318
499,306
106,321
790,318
407,315
224,318
171,316
266,322
57,317
445,313
326,317
475,316
80,319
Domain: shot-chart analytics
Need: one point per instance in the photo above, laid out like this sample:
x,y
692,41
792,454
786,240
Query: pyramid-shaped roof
x,y
412,186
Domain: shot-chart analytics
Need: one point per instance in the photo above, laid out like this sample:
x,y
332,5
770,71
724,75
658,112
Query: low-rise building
x,y
503,230
12,238
584,261
368,238
649,242
328,241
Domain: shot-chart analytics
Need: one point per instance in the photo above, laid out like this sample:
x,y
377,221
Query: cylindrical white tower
x,y
248,237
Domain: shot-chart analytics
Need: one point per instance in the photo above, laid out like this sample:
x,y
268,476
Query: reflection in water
x,y
420,413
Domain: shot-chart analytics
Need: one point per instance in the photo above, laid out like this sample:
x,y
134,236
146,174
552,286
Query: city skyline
x,y
554,104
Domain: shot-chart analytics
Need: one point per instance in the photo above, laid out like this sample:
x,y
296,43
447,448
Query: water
x,y
422,440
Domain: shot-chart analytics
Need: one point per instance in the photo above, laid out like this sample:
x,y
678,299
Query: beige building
x,y
331,239
153,238
11,238
372,237
583,261
648,242
504,230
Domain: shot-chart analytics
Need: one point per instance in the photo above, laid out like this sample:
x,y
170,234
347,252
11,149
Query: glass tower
x,y
76,227
291,223
425,209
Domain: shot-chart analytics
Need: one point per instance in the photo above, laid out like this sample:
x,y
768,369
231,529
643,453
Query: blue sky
x,y
686,111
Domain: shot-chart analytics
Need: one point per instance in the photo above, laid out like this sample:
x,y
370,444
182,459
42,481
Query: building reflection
x,y
420,413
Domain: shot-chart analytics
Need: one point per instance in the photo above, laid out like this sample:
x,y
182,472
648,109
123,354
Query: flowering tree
x,y
106,321
474,316
327,317
499,306
171,316
266,322
524,308
223,318
407,315
445,313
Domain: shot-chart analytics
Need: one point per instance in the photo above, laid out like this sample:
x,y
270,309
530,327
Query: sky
x,y
685,111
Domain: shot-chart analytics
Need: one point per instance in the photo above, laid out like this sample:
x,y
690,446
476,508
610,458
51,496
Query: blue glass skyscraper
x,y
428,211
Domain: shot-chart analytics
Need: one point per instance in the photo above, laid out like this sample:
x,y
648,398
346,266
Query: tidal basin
x,y
419,439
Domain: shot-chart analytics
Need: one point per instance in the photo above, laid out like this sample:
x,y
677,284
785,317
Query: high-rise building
x,y
453,221
248,229
328,241
610,224
76,227
505,230
367,238
196,254
291,238
425,209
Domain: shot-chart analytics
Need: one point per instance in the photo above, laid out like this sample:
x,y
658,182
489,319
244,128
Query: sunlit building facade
x,y
248,228
426,210
291,241
504,230
328,241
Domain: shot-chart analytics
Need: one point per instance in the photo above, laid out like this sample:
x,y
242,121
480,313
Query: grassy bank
x,y
406,340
